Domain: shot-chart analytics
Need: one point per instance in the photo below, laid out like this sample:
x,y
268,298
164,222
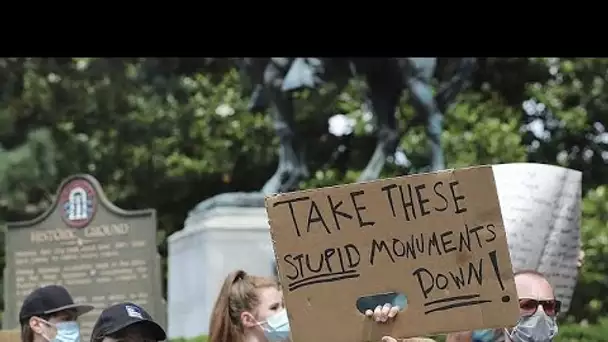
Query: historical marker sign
x,y
100,253
436,238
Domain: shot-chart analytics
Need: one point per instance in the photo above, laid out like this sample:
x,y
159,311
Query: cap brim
x,y
155,330
80,309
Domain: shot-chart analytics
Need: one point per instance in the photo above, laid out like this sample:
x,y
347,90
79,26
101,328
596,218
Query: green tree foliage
x,y
168,133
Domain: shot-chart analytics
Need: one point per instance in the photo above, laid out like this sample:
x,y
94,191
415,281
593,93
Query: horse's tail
x,y
457,83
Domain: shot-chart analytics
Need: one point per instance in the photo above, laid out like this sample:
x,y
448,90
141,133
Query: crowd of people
x,y
250,308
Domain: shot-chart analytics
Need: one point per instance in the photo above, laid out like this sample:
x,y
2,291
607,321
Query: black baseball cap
x,y
48,300
120,316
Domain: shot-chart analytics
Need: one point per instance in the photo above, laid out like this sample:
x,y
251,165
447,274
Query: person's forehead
x,y
270,294
533,286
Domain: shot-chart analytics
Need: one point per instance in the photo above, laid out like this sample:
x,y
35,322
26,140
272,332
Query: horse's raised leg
x,y
418,78
383,97
291,168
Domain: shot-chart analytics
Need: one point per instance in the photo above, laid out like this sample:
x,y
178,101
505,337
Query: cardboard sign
x,y
10,336
436,238
541,209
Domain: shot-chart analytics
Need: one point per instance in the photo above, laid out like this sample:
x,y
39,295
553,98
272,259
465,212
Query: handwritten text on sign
x,y
437,238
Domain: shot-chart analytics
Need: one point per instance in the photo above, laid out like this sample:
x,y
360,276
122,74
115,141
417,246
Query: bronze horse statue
x,y
275,79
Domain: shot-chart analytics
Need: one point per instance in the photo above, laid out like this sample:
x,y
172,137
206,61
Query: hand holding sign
x,y
436,238
383,313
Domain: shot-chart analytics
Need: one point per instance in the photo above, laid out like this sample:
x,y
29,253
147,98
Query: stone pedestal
x,y
222,234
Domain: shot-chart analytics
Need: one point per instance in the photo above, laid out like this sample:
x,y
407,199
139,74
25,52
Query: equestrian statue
x,y
276,79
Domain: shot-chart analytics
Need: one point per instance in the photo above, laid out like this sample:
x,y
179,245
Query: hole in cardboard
x,y
371,302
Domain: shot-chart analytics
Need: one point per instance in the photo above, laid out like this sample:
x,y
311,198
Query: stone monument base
x,y
222,234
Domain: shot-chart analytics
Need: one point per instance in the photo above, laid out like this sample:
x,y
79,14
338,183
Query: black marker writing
x,y
412,201
437,188
291,210
414,246
422,199
335,212
314,216
462,276
323,278
317,216
330,265
359,209
457,198
440,281
457,304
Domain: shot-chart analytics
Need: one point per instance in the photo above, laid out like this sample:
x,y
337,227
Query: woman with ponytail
x,y
245,310
250,309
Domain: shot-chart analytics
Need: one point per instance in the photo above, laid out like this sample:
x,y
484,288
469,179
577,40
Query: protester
x,y
250,309
126,322
538,311
49,314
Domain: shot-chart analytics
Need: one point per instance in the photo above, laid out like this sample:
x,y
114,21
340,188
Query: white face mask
x,y
276,327
66,331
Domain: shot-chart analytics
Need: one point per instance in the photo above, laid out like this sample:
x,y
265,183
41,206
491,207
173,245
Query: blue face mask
x,y
66,332
276,327
485,335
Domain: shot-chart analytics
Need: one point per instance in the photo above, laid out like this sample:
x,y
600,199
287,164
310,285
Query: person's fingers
x,y
385,310
377,313
393,312
388,339
369,313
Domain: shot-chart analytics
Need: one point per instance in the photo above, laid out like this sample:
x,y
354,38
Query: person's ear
x,y
248,320
36,325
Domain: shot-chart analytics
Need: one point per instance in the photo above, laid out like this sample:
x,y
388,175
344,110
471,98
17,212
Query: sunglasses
x,y
528,307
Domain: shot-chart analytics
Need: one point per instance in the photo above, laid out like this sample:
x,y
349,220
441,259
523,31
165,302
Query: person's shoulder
x,y
418,339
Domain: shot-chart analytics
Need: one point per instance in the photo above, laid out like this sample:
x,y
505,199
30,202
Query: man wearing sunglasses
x,y
126,322
538,310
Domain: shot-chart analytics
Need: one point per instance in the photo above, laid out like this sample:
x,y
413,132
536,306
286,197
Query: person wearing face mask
x,y
49,314
538,310
126,322
250,309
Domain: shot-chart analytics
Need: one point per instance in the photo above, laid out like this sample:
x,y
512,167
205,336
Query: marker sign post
x,y
541,208
436,238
